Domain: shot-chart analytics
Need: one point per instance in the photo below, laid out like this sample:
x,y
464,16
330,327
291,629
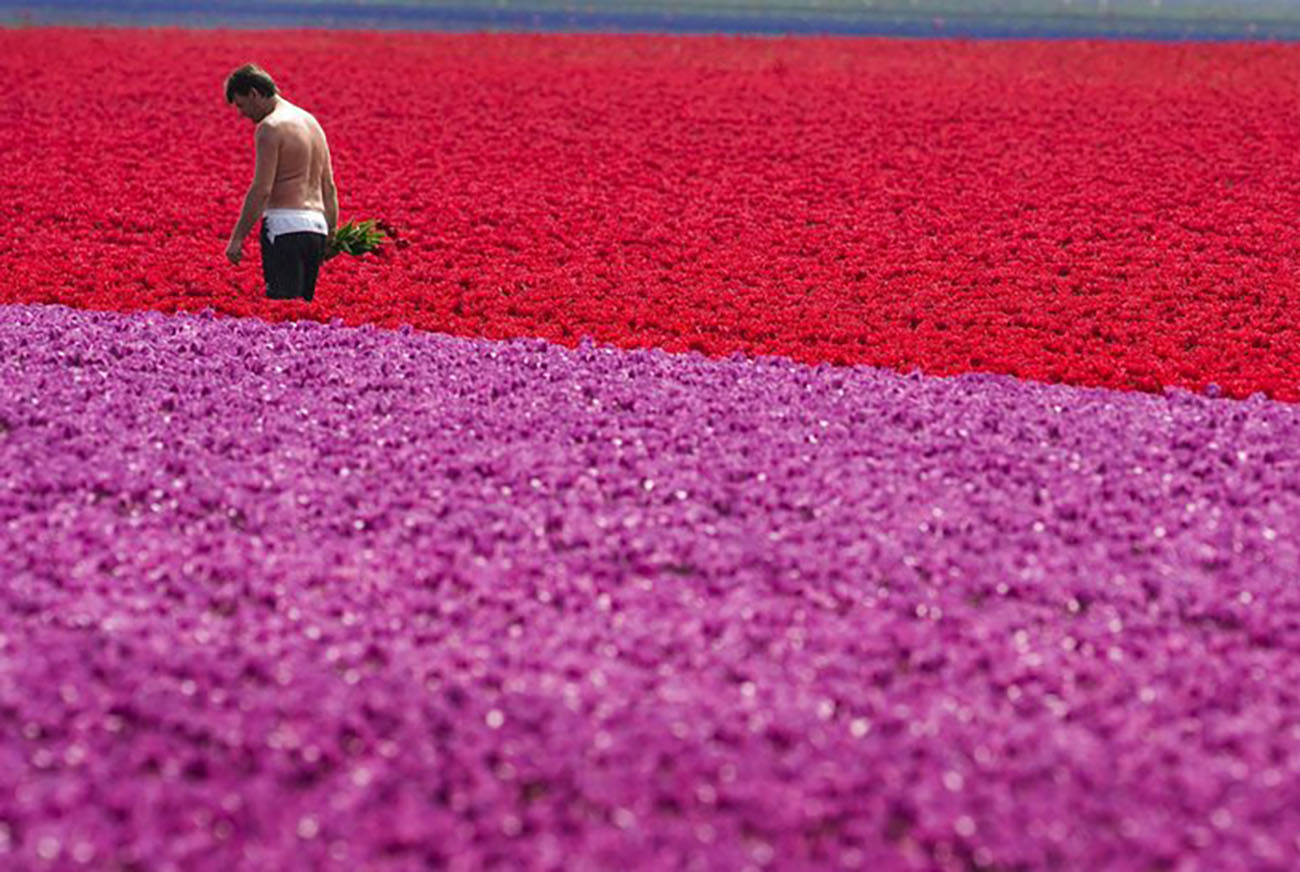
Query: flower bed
x,y
1107,214
281,595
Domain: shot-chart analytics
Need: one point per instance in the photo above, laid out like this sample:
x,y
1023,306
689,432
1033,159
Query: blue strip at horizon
x,y
244,14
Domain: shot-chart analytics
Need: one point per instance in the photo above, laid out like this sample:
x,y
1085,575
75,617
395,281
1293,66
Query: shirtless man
x,y
292,191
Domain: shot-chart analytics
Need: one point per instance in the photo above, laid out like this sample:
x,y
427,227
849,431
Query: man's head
x,y
252,91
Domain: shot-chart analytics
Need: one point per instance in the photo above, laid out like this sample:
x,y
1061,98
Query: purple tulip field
x,y
302,595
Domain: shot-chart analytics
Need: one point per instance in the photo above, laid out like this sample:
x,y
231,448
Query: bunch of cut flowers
x,y
359,237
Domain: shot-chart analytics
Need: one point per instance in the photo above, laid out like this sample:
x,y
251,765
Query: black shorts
x,y
291,263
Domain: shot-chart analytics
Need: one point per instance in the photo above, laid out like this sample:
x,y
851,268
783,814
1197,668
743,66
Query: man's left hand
x,y
235,251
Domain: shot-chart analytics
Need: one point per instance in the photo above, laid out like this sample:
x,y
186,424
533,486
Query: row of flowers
x,y
1100,214
292,595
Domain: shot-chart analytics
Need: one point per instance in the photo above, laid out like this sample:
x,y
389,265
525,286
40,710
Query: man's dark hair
x,y
249,78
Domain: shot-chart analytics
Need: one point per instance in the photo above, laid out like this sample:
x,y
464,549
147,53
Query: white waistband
x,y
292,213
282,221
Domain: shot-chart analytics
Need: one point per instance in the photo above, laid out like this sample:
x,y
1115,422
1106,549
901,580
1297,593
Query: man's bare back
x,y
302,158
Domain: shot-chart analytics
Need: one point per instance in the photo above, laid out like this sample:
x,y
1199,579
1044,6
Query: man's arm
x,y
267,142
330,194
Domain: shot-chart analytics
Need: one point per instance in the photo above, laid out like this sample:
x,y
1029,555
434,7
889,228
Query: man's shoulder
x,y
287,121
267,130
309,118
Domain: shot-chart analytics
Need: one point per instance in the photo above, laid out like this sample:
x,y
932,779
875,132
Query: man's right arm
x,y
330,195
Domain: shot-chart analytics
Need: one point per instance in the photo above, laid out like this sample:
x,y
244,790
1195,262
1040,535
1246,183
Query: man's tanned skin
x,y
293,169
